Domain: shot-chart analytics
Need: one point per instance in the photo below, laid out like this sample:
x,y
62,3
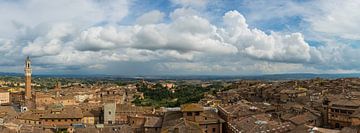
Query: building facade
x,y
4,97
339,113
109,113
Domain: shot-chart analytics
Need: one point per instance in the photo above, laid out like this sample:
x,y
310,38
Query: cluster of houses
x,y
316,105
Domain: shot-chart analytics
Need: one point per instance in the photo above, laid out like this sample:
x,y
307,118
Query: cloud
x,y
337,18
184,35
32,13
257,44
5,46
151,17
91,35
182,12
190,3
97,66
114,10
103,38
185,38
328,18
41,48
51,43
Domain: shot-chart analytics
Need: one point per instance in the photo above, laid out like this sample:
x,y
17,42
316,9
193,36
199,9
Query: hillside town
x,y
190,106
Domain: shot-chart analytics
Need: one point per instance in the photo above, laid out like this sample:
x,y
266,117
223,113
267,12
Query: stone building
x,y
291,95
4,97
61,117
123,111
341,113
42,100
92,116
109,113
192,118
55,117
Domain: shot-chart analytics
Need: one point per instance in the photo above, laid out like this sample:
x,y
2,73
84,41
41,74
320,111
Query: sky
x,y
180,37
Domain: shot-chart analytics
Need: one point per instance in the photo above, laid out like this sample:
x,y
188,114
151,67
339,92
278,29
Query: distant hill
x,y
10,74
293,76
300,76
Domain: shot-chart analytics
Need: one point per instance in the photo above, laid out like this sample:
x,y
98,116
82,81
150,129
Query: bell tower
x,y
27,78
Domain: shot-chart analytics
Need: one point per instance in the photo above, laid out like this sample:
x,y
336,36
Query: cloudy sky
x,y
180,37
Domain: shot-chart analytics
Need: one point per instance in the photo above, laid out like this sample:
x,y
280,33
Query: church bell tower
x,y
27,78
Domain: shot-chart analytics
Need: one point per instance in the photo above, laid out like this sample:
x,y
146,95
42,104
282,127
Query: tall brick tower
x,y
27,78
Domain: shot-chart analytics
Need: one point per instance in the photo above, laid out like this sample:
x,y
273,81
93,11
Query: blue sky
x,y
180,37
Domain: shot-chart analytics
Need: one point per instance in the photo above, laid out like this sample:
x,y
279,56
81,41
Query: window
x,y
110,122
214,130
189,114
109,112
197,113
176,130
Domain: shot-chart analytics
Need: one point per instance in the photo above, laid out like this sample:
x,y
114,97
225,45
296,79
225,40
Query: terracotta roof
x,y
66,112
112,129
92,113
303,118
4,91
6,130
2,115
260,123
173,121
153,122
29,116
211,118
352,129
288,91
9,110
346,102
191,107
127,108
239,109
356,114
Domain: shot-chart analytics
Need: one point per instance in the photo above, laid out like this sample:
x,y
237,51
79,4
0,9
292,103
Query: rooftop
x,y
192,107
